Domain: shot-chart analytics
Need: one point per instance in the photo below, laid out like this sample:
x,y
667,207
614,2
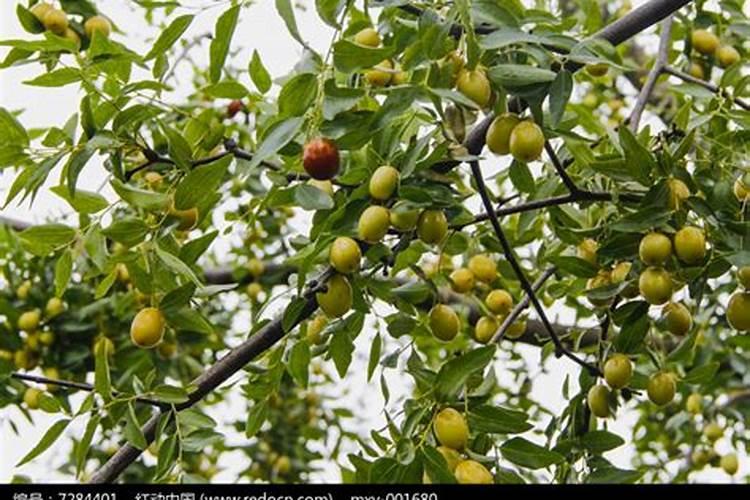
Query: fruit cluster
x,y
57,22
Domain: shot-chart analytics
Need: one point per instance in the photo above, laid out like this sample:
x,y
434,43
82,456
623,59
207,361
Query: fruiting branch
x,y
705,84
662,59
523,304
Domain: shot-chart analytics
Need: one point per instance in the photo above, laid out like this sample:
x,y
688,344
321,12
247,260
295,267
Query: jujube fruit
x,y
315,327
694,404
713,431
485,329
738,311
516,329
55,21
31,397
451,456
729,463
472,472
462,280
403,218
368,37
690,245
677,319
655,285
337,299
29,321
475,85
586,250
598,401
432,226
254,290
743,276
526,141
678,193
345,255
705,42
383,182
255,267
483,267
499,302
498,134
444,322
655,249
380,75
373,224
234,107
696,71
97,24
661,388
451,429
40,10
597,69
54,307
147,328
320,158
727,55
618,370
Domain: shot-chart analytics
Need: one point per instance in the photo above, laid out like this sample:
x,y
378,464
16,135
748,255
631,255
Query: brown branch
x,y
662,59
705,84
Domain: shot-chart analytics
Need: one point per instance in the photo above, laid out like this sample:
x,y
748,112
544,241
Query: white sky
x,y
260,28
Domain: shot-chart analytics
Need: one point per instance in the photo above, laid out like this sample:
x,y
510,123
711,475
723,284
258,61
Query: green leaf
x,y
299,363
175,264
634,330
63,271
11,130
102,384
28,20
281,134
227,89
298,94
75,165
225,26
104,285
169,36
576,266
293,313
559,95
329,11
191,192
701,374
613,475
311,198
349,57
519,75
638,158
498,420
177,298
170,394
527,454
601,441
47,440
375,350
454,374
259,74
128,230
134,115
255,418
168,452
43,240
82,447
56,78
286,11
436,467
179,149
83,202
141,198
133,433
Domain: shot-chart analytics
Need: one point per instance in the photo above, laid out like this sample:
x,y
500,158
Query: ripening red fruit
x,y
234,107
321,159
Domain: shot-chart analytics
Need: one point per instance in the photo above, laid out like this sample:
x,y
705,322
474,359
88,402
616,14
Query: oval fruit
x,y
432,226
31,398
402,217
727,55
741,191
586,250
499,302
678,193
696,71
147,328
483,267
29,321
40,10
254,290
677,319
661,388
598,401
380,75
234,107
315,327
337,299
320,158
475,85
516,329
345,255
451,429
738,311
56,21
54,307
729,463
498,134
187,218
255,267
618,370
713,431
368,37
694,404
655,249
655,285
373,224
383,182
526,141
620,272
97,24
597,70
444,322
743,276
462,280
690,245
485,329
472,472
451,456
705,42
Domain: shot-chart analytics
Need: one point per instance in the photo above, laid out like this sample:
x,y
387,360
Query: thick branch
x,y
662,59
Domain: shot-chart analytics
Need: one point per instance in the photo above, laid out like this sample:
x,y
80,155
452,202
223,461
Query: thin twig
x,y
523,304
560,349
662,58
705,84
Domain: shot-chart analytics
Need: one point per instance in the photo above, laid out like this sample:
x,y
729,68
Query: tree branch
x,y
523,304
662,59
705,84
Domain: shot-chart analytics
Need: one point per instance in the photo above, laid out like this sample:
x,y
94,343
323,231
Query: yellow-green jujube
x,y
741,191
383,182
499,302
597,69
598,400
696,71
677,319
451,429
29,320
315,327
31,397
661,388
432,226
97,24
727,55
690,245
369,37
694,403
374,223
56,21
526,141
485,329
444,322
254,290
498,133
743,276
729,463
587,249
713,431
655,285
462,280
337,299
147,328
516,329
618,371
345,255
678,193
738,311
54,307
472,472
483,267
655,249
40,10
451,456
705,42
380,75
475,85
403,218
